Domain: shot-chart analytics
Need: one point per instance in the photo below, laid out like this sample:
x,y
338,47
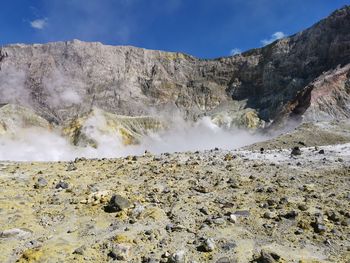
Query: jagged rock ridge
x,y
65,79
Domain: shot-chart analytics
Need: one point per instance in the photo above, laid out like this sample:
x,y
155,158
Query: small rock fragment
x,y
71,167
228,157
228,246
318,227
291,215
204,210
268,257
209,245
219,221
15,232
233,218
296,151
149,260
40,183
345,222
269,215
299,231
333,216
80,250
177,257
242,213
302,207
169,227
225,260
62,185
120,252
116,204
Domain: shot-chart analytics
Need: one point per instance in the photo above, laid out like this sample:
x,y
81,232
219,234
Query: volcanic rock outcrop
x,y
14,119
280,200
65,79
83,131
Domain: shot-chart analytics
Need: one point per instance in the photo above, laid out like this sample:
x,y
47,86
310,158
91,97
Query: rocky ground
x,y
247,205
307,134
262,203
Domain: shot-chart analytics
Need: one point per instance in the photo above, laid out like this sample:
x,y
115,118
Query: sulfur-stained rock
x,y
154,213
164,214
31,255
86,130
99,197
14,119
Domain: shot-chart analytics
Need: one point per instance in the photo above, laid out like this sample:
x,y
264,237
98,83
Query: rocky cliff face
x,y
65,79
330,95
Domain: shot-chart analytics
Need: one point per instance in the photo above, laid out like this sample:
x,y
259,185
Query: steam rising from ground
x,y
40,144
57,88
35,144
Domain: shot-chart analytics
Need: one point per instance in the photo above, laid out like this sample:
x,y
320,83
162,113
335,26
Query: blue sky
x,y
203,28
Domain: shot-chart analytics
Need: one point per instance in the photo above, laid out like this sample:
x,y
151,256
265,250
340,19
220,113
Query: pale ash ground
x,y
287,209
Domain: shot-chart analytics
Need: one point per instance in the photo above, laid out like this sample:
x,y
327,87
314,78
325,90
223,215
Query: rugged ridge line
x,y
64,79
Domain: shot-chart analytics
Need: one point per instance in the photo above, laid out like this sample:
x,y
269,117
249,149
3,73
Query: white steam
x,y
42,145
12,88
202,135
60,90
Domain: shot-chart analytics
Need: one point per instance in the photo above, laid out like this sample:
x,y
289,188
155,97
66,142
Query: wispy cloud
x,y
275,36
235,51
39,23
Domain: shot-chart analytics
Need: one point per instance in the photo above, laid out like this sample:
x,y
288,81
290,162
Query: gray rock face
x,y
329,96
64,79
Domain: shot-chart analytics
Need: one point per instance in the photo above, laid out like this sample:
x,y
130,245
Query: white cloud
x,y
39,23
275,36
235,51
